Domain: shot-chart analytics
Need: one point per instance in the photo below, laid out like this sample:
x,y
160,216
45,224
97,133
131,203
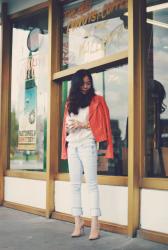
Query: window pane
x,y
0,52
113,85
93,29
29,93
157,89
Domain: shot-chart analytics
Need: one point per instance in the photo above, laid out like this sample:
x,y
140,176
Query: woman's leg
x,y
95,230
75,171
88,156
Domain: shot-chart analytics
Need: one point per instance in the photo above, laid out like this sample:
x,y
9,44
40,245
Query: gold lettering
x,y
104,11
102,14
77,23
71,24
27,133
110,8
93,16
84,20
99,15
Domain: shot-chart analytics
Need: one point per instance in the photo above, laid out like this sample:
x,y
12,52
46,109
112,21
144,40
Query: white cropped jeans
x,y
83,157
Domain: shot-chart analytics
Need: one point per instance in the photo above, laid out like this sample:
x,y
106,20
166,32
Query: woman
x,y
86,121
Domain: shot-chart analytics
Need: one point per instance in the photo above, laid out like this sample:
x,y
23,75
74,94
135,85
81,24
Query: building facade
x,y
124,45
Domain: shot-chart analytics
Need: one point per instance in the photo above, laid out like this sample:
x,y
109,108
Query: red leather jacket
x,y
99,121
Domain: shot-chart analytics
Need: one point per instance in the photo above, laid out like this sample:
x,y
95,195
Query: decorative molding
x,y
107,226
154,183
26,174
54,107
95,66
25,208
136,17
5,97
153,236
29,11
102,179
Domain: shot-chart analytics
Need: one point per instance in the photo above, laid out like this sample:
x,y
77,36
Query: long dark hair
x,y
76,98
159,94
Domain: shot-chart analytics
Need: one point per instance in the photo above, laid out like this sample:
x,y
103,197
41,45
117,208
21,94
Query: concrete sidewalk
x,y
23,231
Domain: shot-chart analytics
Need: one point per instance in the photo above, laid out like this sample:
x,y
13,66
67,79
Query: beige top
x,y
79,135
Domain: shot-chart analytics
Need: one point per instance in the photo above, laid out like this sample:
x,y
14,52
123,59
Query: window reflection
x,y
113,85
92,30
29,93
157,90
0,52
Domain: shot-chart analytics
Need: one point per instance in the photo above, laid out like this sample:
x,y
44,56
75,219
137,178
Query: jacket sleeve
x,y
110,150
63,146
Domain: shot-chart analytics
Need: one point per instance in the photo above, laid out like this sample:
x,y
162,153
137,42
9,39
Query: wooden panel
x,y
102,179
154,183
153,236
113,180
141,68
95,66
5,97
29,11
165,159
25,208
135,132
62,177
111,227
26,174
54,112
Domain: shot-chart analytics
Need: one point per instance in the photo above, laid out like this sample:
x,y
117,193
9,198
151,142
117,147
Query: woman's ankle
x,y
94,223
78,220
94,231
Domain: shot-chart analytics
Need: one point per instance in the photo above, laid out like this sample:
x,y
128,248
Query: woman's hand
x,y
75,124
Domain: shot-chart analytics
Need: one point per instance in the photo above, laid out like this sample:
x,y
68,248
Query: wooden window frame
x,y
158,183
114,60
136,64
136,130
94,66
108,61
36,175
5,97
154,183
29,11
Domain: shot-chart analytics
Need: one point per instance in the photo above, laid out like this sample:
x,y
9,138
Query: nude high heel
x,y
95,229
79,229
94,234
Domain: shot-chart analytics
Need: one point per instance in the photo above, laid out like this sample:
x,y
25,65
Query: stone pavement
x,y
23,231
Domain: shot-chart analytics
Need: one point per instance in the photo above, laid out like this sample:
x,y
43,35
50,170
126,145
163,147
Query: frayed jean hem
x,y
95,212
76,211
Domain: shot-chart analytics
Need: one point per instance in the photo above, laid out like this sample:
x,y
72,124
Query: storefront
x,y
124,44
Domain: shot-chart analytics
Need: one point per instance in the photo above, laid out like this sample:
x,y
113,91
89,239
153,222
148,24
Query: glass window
x,y
157,89
113,85
93,29
0,52
29,82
